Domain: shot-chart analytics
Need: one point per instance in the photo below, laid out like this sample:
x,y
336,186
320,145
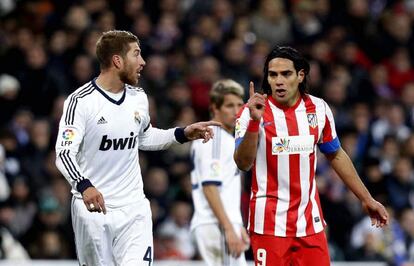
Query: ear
x,y
301,75
213,109
117,61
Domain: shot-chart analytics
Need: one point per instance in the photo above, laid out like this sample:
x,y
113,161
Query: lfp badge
x,y
67,135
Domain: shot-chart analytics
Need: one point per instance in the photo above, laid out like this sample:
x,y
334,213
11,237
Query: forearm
x,y
157,139
245,154
68,166
345,169
213,198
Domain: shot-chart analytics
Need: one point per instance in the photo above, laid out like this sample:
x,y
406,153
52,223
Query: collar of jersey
x,y
284,107
107,96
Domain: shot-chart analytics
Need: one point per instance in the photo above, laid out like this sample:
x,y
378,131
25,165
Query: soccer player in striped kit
x,y
217,223
276,137
103,125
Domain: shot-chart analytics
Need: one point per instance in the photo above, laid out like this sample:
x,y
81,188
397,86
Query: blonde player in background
x,y
217,223
103,125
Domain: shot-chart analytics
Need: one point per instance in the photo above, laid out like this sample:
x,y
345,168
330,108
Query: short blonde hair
x,y
223,87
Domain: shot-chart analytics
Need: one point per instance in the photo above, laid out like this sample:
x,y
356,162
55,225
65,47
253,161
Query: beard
x,y
128,76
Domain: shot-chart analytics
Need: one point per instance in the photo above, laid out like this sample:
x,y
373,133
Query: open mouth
x,y
280,92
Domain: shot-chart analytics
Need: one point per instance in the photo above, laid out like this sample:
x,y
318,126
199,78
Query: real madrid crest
x,y
137,117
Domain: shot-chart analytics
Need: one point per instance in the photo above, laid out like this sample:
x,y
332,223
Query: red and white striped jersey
x,y
284,199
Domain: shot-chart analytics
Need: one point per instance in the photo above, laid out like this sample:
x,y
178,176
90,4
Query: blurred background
x,y
361,54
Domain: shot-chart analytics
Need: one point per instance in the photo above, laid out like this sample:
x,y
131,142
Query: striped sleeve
x,y
329,142
70,137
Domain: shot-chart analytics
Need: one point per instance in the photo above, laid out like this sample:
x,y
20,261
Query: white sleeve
x,y
152,139
69,139
207,161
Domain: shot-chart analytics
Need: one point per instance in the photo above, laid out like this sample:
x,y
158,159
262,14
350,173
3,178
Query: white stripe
x,y
320,108
315,210
283,176
331,121
304,170
320,115
261,176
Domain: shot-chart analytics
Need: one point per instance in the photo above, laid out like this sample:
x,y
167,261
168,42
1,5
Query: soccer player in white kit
x,y
103,125
217,223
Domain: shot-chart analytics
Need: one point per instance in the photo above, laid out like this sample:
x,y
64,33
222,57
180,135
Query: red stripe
x,y
311,109
272,186
294,176
327,131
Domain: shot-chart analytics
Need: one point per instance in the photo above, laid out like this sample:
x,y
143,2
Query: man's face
x,y
227,113
284,81
133,63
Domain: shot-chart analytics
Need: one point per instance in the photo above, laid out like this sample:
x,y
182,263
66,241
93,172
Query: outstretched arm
x,y
200,130
343,166
153,139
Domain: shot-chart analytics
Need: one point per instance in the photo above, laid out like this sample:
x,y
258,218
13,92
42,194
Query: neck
x,y
294,100
230,130
109,81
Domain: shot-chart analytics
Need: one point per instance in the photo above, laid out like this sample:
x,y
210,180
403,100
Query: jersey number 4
x,y
147,256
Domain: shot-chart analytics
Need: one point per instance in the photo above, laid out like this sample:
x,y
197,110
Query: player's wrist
x,y
253,126
83,185
180,136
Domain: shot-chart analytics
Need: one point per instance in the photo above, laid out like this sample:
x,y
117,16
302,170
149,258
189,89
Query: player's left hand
x,y
94,200
245,238
377,212
201,130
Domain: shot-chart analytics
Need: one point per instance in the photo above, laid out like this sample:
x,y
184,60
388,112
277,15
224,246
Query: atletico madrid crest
x,y
312,120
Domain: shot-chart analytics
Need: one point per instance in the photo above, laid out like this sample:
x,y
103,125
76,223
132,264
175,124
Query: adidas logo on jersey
x,y
102,121
118,144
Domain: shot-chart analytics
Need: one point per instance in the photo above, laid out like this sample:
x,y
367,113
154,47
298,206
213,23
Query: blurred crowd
x,y
362,63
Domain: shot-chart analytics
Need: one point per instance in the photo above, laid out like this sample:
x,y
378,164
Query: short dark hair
x,y
299,62
114,42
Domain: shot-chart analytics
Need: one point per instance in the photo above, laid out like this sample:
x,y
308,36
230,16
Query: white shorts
x,y
121,237
212,246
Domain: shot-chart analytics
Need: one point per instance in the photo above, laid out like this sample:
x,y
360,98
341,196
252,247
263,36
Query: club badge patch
x,y
312,120
137,117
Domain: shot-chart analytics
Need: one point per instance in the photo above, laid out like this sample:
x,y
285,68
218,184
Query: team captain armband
x,y
253,126
331,146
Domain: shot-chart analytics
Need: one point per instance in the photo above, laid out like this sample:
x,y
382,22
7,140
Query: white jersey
x,y
98,142
214,164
